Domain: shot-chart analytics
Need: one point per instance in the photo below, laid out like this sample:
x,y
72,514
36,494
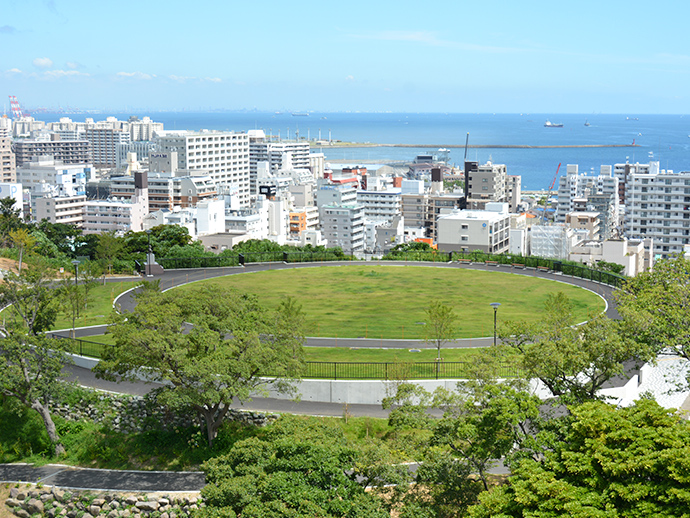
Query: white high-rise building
x,y
657,205
224,156
278,155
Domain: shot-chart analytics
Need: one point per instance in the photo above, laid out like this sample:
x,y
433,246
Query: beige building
x,y
467,230
588,221
634,255
61,209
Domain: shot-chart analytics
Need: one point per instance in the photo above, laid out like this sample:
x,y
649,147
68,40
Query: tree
x,y
227,352
9,219
573,362
618,462
108,249
482,421
293,470
656,306
24,241
30,363
440,324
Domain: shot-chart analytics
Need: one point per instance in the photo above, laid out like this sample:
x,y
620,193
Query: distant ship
x,y
586,122
632,119
299,114
549,124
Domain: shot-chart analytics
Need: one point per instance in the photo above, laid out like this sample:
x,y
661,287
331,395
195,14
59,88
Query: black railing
x,y
343,370
82,347
399,370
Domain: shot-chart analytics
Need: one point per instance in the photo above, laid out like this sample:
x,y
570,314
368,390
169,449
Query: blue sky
x,y
455,56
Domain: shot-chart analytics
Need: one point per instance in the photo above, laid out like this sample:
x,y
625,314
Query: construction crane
x,y
546,201
15,108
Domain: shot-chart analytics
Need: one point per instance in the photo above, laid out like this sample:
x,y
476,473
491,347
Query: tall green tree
x,y
232,350
573,362
613,462
441,323
30,363
109,248
23,240
656,306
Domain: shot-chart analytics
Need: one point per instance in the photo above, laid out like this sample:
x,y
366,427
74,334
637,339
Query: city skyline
x,y
499,57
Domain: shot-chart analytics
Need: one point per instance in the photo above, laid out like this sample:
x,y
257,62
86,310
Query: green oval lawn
x,y
389,301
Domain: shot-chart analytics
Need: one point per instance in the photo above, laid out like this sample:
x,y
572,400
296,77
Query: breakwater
x,y
354,145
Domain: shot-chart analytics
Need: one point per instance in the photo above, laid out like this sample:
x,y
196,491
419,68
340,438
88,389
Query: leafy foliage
x,y
629,462
573,362
222,356
292,471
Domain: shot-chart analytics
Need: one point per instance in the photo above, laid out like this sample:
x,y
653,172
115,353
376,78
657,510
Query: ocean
x,y
665,138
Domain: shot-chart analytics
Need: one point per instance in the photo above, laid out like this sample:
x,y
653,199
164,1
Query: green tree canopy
x,y
573,362
656,306
230,347
292,471
613,462
30,363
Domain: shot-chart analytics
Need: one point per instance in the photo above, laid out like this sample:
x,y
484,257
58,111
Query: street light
x,y
76,271
147,270
495,306
75,262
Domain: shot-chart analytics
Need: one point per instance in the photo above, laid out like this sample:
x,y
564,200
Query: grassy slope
x,y
372,301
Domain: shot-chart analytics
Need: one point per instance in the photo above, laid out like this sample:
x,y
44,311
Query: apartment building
x,y
65,151
166,191
59,209
112,215
104,141
47,173
590,193
277,155
485,183
381,205
8,169
224,156
343,226
658,206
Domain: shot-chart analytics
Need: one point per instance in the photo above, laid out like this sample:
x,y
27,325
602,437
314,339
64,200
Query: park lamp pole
x,y
147,270
495,306
75,262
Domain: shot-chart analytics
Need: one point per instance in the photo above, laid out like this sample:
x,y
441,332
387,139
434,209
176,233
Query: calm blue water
x,y
665,136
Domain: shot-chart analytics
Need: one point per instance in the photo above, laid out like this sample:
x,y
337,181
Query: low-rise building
x,y
467,230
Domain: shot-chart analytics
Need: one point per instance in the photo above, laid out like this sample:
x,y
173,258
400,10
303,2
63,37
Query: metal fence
x,y
342,370
399,370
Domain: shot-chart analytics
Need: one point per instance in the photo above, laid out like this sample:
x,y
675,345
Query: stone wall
x,y
129,414
26,502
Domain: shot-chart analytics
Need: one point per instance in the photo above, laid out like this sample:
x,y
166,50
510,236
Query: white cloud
x,y
181,79
13,71
72,65
349,78
136,75
213,79
43,62
64,73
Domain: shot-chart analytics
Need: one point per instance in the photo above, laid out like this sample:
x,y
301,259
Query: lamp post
x,y
76,294
76,271
147,270
495,306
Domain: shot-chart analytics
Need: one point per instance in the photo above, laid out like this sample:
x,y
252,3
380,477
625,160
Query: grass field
x,y
98,308
373,301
